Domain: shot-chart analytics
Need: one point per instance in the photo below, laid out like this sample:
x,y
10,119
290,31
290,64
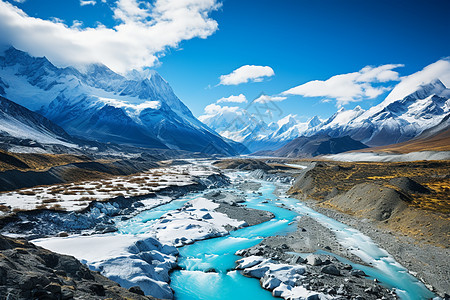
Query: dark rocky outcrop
x,y
409,186
31,272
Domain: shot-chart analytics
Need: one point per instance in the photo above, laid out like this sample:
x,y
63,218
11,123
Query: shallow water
x,y
218,254
385,268
207,265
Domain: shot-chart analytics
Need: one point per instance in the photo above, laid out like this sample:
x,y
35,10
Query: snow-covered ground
x,y
77,196
297,166
146,259
385,157
278,278
196,220
129,260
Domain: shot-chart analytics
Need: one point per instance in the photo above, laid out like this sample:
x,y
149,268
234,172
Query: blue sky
x,y
300,40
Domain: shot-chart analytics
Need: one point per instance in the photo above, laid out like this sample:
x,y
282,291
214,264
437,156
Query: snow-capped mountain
x,y
392,121
21,128
290,128
250,130
139,109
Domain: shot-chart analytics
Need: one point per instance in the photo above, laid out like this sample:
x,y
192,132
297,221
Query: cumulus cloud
x,y
409,84
224,118
247,73
266,98
213,109
87,2
350,87
233,99
142,34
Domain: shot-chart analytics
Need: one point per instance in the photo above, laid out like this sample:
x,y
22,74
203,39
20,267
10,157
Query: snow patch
x,y
129,260
277,277
384,157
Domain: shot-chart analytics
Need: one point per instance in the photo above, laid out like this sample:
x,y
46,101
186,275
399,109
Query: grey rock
x,y
357,273
331,269
137,290
313,260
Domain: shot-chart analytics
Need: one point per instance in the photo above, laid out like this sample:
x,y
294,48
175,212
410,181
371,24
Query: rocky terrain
x,y
315,145
22,170
312,276
230,205
30,272
404,207
410,197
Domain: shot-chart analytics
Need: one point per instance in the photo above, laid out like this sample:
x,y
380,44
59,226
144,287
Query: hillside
x,y
303,147
408,197
433,139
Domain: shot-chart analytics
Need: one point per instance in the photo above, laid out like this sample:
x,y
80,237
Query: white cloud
x,y
266,98
213,109
409,84
142,35
224,118
233,99
350,87
19,1
247,73
87,2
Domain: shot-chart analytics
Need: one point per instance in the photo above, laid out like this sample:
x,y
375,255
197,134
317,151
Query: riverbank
x,y
403,207
426,262
418,253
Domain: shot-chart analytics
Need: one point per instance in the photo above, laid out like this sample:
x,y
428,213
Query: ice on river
x,y
196,220
278,278
129,260
146,259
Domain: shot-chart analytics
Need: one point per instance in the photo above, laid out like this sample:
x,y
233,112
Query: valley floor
x,y
201,215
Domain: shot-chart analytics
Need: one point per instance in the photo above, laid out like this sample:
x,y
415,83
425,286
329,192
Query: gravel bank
x,y
229,205
427,262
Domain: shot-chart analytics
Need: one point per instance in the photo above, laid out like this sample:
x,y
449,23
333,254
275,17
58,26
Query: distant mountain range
x,y
66,107
140,109
319,144
436,138
391,121
255,134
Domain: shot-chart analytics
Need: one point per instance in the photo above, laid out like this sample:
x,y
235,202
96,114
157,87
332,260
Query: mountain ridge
x,y
141,110
391,121
311,146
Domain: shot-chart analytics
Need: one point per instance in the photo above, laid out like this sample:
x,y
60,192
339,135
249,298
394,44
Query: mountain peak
x,y
313,122
435,87
142,75
100,104
288,120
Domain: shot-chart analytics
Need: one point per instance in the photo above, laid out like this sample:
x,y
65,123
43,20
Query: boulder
x,y
313,260
331,269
